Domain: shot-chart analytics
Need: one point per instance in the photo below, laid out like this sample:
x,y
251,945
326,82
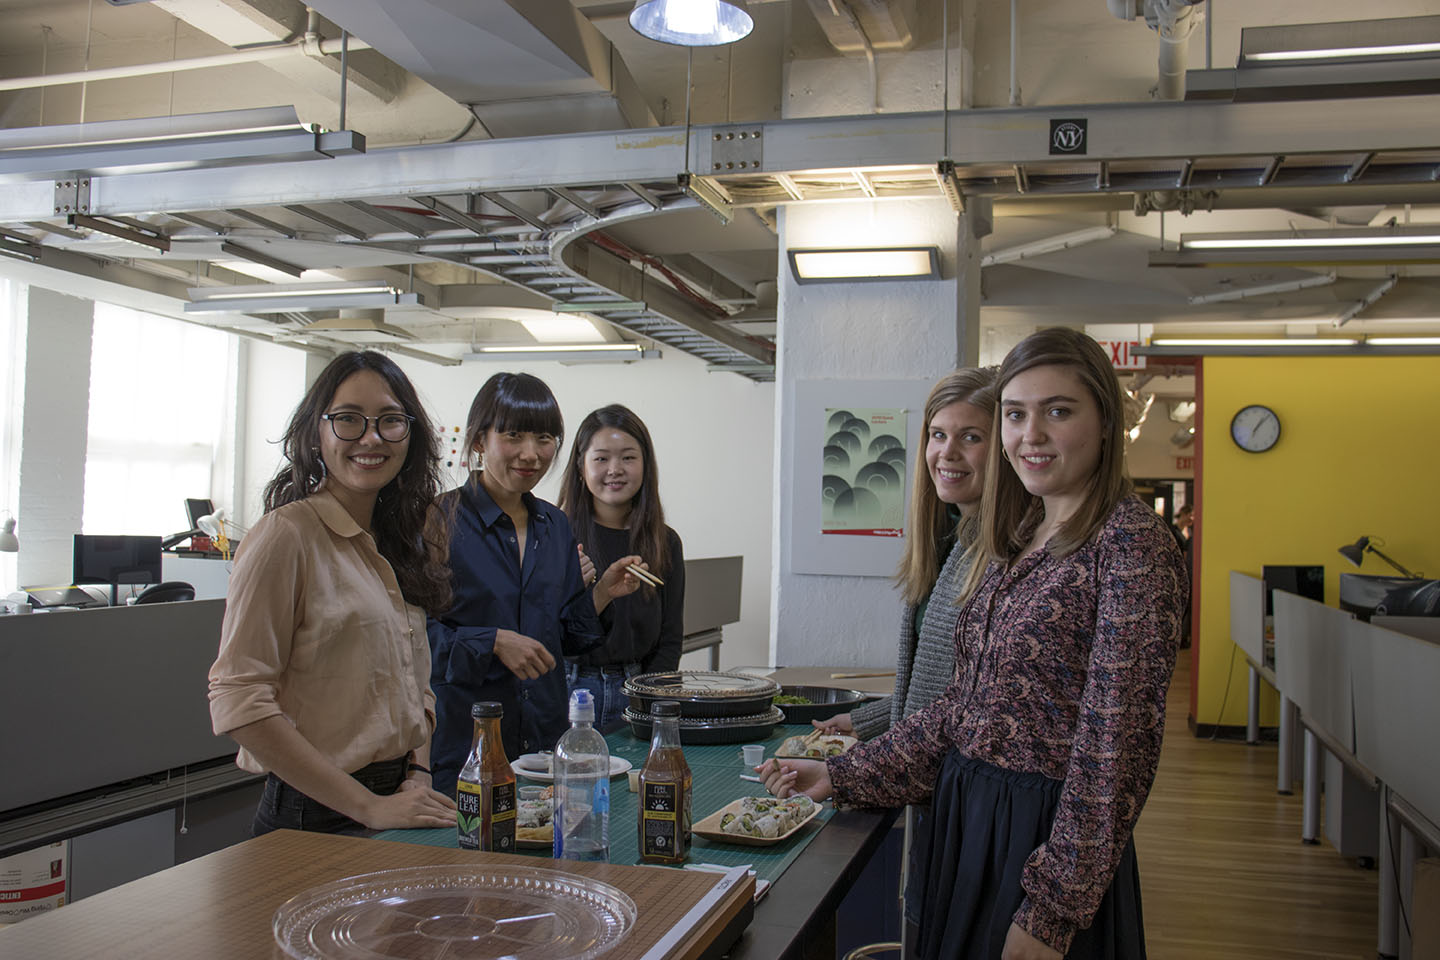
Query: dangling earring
x,y
323,472
1004,456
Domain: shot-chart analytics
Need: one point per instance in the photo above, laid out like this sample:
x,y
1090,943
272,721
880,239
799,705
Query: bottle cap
x,y
665,708
486,708
582,706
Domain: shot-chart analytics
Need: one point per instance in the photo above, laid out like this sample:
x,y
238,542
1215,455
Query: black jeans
x,y
282,807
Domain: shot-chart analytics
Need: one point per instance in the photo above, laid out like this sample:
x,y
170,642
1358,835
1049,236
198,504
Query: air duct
x,y
1173,21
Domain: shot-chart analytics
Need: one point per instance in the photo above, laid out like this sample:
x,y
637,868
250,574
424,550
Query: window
x,y
12,392
159,407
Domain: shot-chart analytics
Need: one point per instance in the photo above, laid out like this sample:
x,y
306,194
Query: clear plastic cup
x,y
753,755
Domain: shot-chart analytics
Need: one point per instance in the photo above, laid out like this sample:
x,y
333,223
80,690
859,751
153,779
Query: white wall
x,y
272,382
712,432
857,331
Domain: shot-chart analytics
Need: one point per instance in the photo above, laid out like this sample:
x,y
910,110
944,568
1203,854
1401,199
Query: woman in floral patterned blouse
x,y
1038,758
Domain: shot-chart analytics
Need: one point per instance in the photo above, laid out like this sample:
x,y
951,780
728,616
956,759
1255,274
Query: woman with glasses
x,y
520,603
323,664
1038,758
611,493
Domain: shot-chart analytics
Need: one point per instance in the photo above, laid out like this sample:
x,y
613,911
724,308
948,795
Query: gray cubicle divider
x,y
95,697
1422,628
1312,664
1397,712
712,592
1247,615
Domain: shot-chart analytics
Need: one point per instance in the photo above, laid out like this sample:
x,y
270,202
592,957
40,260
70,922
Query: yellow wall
x,y
1359,454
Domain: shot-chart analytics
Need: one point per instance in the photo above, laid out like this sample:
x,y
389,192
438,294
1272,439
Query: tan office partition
x,y
1397,712
1247,615
1312,664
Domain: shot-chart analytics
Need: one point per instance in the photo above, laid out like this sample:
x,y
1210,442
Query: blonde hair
x,y
1008,511
929,525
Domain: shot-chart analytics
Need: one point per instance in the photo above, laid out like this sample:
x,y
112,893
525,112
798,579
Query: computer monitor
x,y
116,560
1303,581
195,509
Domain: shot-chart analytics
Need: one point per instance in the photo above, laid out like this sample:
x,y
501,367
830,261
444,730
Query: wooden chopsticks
x,y
645,576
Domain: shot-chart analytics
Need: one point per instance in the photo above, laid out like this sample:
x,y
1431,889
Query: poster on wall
x,y
862,484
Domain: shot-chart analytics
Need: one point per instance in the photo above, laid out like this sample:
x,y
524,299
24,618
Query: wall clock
x,y
1255,428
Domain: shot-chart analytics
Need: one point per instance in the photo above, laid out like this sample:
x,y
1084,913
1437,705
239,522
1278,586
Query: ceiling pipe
x,y
1174,21
278,51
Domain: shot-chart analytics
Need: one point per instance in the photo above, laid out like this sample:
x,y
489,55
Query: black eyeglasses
x,y
392,427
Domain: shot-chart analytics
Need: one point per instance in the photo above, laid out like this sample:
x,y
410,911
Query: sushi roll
x,y
732,824
725,820
767,827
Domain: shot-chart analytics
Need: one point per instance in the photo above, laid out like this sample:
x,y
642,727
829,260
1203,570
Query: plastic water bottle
x,y
582,786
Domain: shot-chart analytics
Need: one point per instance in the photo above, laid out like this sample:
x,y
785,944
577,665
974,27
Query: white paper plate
x,y
536,766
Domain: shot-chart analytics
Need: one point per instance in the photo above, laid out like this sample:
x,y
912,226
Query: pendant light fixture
x,y
691,23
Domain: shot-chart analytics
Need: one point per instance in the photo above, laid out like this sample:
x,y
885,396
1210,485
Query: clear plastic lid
x,y
456,913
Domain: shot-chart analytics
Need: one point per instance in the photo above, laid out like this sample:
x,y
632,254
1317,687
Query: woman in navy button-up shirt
x,y
520,604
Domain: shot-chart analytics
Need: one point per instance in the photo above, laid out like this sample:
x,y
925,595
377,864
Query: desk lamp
x,y
9,543
1355,553
216,526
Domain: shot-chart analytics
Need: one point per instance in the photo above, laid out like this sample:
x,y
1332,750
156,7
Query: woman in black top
x,y
611,493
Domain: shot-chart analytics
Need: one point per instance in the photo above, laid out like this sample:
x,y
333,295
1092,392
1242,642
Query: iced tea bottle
x,y
485,793
665,790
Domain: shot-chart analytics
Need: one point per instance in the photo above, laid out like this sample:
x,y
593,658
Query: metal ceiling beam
x,y
385,216
265,222
299,209
1157,131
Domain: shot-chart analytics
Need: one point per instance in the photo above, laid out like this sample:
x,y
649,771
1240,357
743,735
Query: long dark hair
x,y
513,402
399,519
648,537
920,567
1008,511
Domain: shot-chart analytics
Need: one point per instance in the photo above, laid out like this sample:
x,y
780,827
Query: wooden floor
x,y
1223,872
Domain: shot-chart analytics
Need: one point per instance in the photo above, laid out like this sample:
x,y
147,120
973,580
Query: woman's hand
x,y
786,778
840,723
587,566
617,582
409,808
416,780
525,657
1019,945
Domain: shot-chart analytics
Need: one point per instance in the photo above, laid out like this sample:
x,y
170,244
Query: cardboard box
x,y
1425,910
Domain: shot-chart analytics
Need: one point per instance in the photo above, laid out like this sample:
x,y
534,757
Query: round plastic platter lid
x,y
455,913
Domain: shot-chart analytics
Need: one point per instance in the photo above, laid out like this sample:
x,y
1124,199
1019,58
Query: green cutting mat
x,y
716,771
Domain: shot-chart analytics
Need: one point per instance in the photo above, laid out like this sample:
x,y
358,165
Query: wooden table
x,y
220,906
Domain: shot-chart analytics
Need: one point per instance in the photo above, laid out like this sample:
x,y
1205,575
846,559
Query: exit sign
x,y
1122,354
1184,463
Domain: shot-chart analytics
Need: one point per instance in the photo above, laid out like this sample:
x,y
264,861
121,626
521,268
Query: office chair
x,y
167,592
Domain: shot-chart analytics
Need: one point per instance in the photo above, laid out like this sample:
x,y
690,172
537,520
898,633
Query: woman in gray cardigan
x,y
944,522
944,518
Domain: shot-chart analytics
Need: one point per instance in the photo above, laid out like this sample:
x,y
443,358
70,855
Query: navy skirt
x,y
984,823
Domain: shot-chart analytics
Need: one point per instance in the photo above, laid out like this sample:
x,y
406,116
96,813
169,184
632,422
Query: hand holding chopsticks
x,y
620,579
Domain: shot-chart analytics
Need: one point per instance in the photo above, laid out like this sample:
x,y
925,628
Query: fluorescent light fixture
x,y
298,297
1305,242
860,263
564,352
691,23
1331,53
1307,342
599,306
1403,341
160,144
1305,248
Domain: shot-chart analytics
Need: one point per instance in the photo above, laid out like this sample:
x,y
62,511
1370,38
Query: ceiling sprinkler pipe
x,y
1176,21
249,55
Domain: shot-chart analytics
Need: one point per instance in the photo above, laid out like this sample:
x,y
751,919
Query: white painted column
x,y
868,331
56,422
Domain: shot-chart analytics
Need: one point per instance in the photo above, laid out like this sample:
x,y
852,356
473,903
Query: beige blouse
x,y
317,631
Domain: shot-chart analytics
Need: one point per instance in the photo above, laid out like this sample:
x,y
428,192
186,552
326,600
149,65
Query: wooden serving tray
x,y
709,828
220,906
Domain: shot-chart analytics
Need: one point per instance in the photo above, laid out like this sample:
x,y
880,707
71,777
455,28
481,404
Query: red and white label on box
x,y
35,881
